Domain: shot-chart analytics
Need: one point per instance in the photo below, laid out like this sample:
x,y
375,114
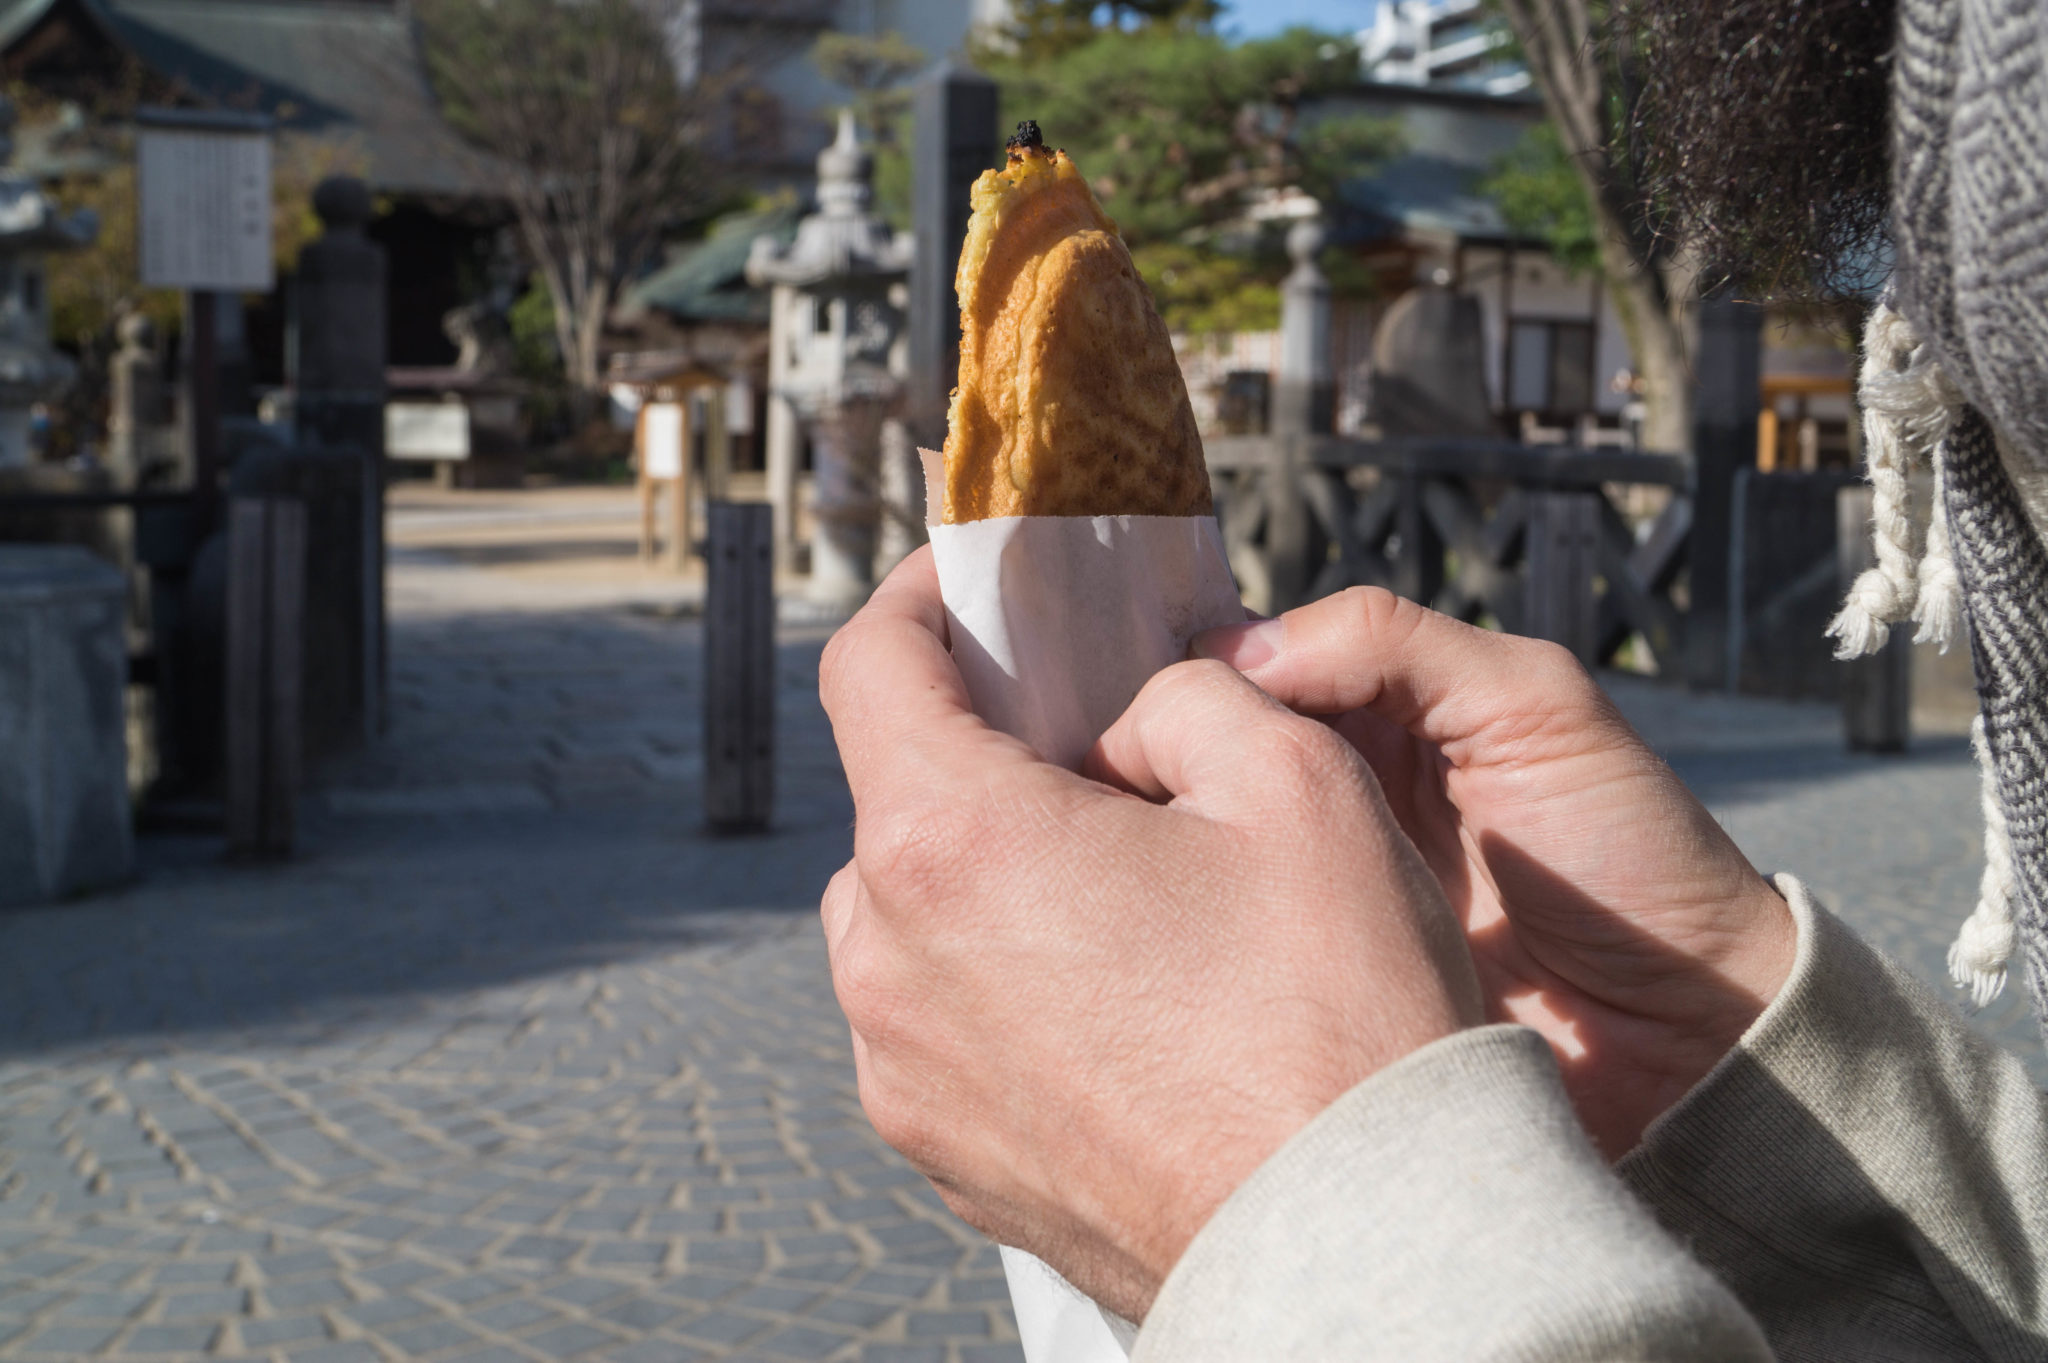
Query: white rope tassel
x,y
1977,961
1939,611
1906,407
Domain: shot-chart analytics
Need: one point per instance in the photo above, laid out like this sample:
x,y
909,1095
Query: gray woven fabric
x,y
1970,194
2005,580
1970,217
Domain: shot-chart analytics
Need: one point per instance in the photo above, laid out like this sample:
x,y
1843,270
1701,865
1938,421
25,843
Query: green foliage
x,y
1055,26
1541,196
1180,131
531,320
1206,292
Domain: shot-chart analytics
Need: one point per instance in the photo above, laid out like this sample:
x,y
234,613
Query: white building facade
x,y
1454,44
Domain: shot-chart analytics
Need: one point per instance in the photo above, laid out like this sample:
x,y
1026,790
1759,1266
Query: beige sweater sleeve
x,y
1864,1171
1449,1207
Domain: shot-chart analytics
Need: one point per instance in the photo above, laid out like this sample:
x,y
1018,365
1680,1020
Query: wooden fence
x,y
1526,535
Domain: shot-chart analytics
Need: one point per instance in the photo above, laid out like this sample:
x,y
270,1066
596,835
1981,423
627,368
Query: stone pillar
x,y
1303,405
138,403
843,505
339,328
65,825
957,138
1726,368
338,354
783,439
903,496
1304,398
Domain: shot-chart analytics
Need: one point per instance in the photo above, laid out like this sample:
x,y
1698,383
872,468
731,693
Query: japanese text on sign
x,y
204,212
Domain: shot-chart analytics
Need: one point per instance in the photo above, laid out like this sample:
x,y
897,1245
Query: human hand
x,y
1085,1013
1603,904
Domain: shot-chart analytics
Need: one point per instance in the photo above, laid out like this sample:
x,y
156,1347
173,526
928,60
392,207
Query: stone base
x,y
65,824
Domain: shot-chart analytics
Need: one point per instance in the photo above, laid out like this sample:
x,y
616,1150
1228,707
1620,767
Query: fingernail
x,y
1244,647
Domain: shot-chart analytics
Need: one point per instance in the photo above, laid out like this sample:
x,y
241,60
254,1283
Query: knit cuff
x,y
1448,1207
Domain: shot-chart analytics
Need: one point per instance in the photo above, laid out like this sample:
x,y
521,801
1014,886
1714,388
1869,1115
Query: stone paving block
x,y
992,1353
724,1327
458,1240
897,1353
801,1342
727,1254
338,1351
822,1246
429,1336
477,1287
627,1254
946,1324
571,1340
385,1311
176,1338
512,1315
306,1292
258,1334
223,1302
542,1248
66,1339
853,1311
894,1283
965,1291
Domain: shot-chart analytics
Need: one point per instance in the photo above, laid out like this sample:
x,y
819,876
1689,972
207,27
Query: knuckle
x,y
836,665
1303,757
908,849
901,1122
870,993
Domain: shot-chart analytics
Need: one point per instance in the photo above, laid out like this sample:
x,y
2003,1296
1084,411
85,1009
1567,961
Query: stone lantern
x,y
31,226
836,368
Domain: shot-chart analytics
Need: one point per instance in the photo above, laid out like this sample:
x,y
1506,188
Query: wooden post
x,y
644,485
679,500
1726,399
717,446
202,395
266,597
1562,557
1877,691
739,667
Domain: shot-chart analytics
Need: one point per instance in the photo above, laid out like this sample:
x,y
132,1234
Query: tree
x,y
1181,133
1539,195
577,109
1584,70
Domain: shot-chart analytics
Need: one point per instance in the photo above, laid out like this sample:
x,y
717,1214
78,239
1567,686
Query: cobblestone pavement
x,y
514,1063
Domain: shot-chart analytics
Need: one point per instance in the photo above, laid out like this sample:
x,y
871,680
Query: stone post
x,y
956,139
138,405
338,355
1304,397
65,825
339,328
1726,366
844,507
1303,406
783,440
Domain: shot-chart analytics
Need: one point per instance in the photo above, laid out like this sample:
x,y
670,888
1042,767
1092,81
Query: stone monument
x,y
836,368
31,226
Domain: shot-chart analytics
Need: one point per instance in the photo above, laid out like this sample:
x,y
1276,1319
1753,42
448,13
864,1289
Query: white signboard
x,y
426,430
204,209
661,437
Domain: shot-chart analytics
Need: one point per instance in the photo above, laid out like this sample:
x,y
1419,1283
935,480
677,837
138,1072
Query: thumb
x,y
1478,696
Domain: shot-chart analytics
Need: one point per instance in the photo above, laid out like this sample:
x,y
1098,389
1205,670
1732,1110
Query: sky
x,y
1258,18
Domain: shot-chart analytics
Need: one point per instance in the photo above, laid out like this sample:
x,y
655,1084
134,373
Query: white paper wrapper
x,y
1056,624
1058,620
